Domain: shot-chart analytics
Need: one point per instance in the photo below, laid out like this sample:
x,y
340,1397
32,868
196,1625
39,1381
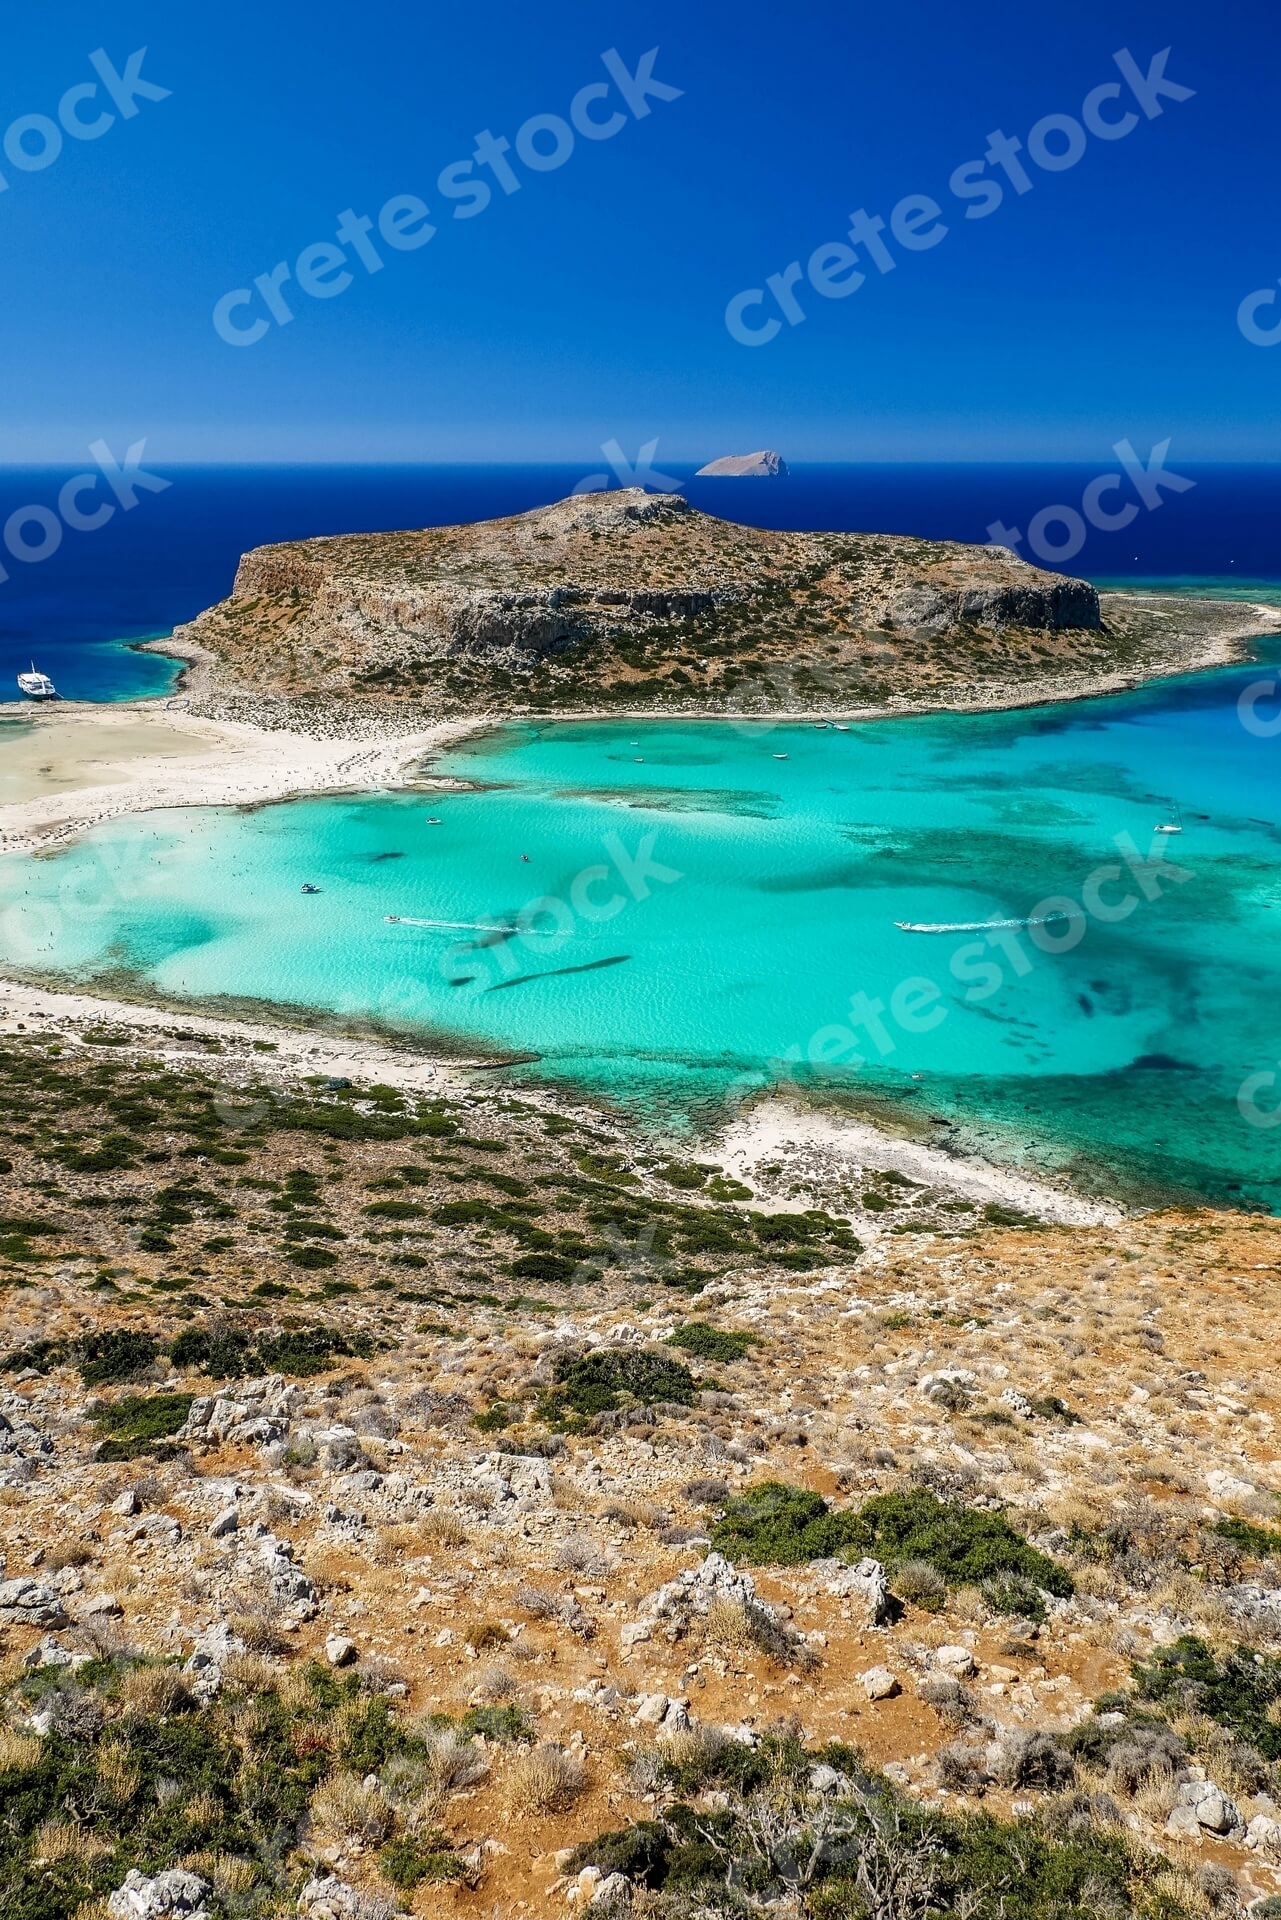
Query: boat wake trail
x,y
969,926
454,926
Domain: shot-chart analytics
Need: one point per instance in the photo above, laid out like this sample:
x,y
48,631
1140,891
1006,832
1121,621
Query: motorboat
x,y
37,686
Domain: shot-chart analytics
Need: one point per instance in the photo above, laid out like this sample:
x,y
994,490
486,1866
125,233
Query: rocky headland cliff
x,y
628,599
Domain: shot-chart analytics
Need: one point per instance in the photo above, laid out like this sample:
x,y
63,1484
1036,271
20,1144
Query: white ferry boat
x,y
37,686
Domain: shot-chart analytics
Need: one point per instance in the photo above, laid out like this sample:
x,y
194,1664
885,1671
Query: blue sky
x,y
590,304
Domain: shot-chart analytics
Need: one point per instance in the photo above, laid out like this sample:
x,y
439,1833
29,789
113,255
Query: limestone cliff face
x,y
611,588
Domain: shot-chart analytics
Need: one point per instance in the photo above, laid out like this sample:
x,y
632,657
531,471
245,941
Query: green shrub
x,y
966,1547
551,1269
641,1852
599,1382
41,1355
395,1209
28,1229
116,1151
112,1355
688,1175
712,1343
306,1350
1051,1407
494,1418
225,1354
1237,1691
372,1736
416,1858
942,1863
136,1423
1014,1593
314,1259
506,1724
1257,1541
774,1524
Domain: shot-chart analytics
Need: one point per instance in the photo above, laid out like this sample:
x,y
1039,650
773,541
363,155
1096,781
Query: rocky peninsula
x,y
625,600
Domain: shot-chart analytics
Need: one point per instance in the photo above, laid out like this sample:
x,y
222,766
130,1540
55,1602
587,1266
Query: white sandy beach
x,y
805,1146
82,765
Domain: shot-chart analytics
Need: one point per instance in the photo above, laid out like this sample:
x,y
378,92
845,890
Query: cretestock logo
x,y
124,483
643,474
543,143
1054,144
1248,318
1147,482
33,141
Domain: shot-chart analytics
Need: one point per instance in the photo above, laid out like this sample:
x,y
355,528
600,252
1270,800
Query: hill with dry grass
x,y
624,598
453,1505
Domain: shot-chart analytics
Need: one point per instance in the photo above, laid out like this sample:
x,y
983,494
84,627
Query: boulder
x,y
1210,1806
878,1683
25,1603
288,1583
339,1651
867,1581
1263,1835
326,1897
174,1892
99,1606
209,1655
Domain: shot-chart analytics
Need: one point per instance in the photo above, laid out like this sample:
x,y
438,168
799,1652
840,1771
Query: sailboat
x,y
37,686
1171,826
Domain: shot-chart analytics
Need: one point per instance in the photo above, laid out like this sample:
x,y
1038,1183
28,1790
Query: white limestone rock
x,y
867,1581
878,1683
175,1892
25,1603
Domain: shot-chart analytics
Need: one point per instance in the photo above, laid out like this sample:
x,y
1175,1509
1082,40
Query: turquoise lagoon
x,y
713,897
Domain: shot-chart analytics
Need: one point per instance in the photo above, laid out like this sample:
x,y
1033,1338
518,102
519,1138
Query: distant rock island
x,y
627,600
765,465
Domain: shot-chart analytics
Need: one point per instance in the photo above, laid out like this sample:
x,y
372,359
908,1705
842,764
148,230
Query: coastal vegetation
x,y
523,1551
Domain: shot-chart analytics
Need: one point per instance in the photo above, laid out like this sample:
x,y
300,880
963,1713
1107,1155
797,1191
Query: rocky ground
x,y
628,601
437,1501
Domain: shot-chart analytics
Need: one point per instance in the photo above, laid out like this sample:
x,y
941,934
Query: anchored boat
x,y
37,686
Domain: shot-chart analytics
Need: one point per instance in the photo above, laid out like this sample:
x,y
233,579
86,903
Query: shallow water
x,y
714,896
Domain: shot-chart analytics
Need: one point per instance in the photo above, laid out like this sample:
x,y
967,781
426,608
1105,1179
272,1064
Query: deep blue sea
x,y
176,552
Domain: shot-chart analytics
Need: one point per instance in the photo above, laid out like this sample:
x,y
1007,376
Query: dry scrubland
x,y
458,1506
631,601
